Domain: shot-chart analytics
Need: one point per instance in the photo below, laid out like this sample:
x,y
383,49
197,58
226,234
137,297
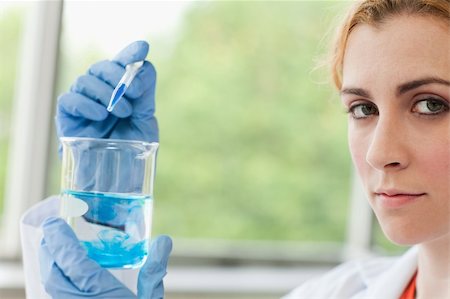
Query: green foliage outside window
x,y
251,146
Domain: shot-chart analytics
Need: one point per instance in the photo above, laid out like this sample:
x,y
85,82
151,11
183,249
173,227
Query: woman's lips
x,y
396,200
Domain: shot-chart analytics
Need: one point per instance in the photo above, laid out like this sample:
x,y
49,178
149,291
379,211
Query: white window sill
x,y
200,282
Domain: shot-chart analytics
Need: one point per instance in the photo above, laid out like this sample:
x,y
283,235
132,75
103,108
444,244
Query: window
x,y
253,163
248,136
252,147
32,53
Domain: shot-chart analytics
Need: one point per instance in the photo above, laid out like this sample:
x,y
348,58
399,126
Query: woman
x,y
392,68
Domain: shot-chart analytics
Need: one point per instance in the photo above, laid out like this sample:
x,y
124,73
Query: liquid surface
x,y
115,229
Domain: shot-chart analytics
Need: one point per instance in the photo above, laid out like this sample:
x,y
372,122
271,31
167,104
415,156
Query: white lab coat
x,y
380,278
31,236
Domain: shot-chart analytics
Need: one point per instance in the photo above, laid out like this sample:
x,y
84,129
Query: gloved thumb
x,y
150,281
66,251
136,51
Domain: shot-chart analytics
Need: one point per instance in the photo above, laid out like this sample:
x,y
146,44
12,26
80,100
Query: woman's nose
x,y
388,149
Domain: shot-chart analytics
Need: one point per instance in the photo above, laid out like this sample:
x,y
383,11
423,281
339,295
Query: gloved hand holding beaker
x,y
81,112
68,273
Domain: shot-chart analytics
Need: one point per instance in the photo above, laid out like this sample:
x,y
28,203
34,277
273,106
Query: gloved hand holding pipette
x,y
83,110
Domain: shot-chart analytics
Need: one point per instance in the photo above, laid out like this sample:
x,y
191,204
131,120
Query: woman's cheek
x,y
434,165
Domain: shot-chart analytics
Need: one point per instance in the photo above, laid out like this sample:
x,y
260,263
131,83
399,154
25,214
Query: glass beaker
x,y
107,197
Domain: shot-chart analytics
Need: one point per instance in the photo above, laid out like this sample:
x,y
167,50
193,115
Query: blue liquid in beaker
x,y
115,230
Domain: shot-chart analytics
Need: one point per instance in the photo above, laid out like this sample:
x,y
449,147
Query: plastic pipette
x,y
130,72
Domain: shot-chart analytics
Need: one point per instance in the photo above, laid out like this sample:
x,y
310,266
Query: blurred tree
x,y
251,146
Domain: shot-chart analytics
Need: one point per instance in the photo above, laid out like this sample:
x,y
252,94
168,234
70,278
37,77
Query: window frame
x,y
31,142
34,99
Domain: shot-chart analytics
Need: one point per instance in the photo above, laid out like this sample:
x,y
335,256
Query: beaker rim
x,y
128,141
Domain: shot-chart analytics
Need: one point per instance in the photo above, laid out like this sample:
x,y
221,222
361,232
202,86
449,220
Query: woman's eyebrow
x,y
355,91
401,89
405,87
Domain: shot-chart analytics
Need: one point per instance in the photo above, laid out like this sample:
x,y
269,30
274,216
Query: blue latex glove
x,y
68,273
82,111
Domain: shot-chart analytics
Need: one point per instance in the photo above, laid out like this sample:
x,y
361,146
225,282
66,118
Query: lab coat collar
x,y
394,280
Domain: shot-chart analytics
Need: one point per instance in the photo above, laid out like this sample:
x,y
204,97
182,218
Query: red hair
x,y
375,12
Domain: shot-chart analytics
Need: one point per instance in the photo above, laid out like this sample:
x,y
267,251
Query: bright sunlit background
x,y
253,139
249,137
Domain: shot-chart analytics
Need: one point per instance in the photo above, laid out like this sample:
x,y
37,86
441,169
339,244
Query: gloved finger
x,y
145,79
67,125
58,285
136,51
150,281
51,276
108,71
145,129
144,108
78,105
143,82
98,90
72,259
111,72
45,262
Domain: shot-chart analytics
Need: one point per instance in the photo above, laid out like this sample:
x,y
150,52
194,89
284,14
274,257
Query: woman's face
x,y
396,85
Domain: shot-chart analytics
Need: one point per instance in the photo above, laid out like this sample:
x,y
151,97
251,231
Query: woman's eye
x,y
359,111
430,106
